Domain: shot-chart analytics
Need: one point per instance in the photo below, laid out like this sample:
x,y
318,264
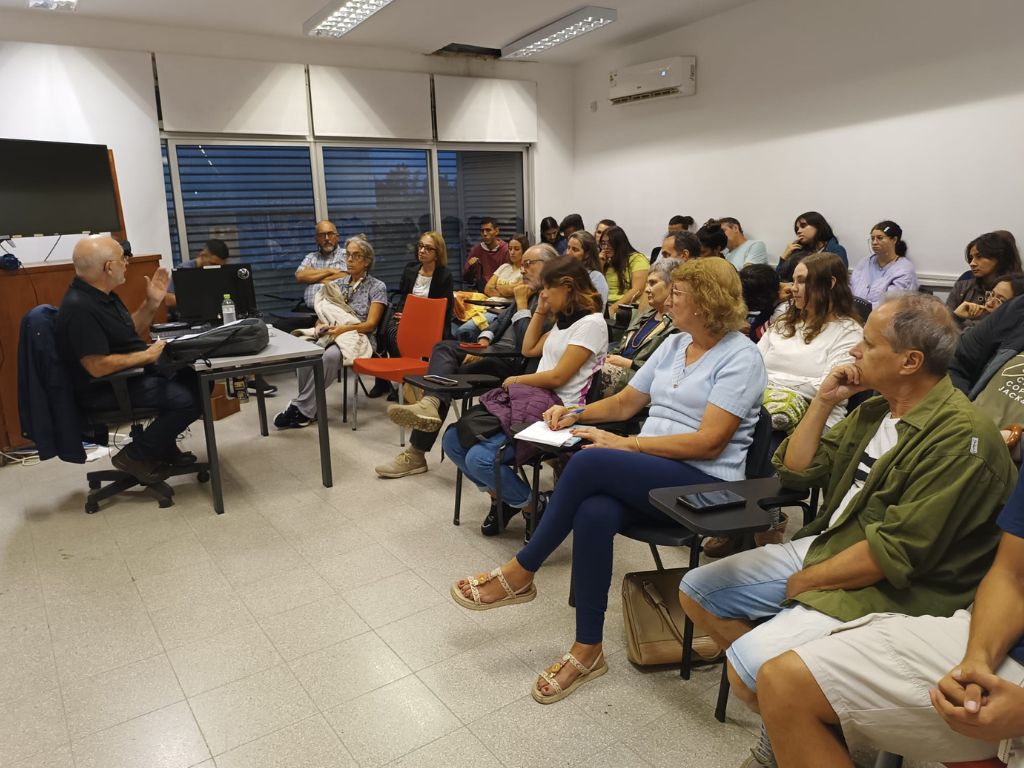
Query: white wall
x,y
58,93
552,157
908,110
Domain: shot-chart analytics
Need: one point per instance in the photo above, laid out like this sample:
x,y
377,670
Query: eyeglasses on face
x,y
426,247
326,235
527,262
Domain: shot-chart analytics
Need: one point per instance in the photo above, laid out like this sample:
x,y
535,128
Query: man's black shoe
x,y
259,383
181,458
489,527
291,418
380,388
146,471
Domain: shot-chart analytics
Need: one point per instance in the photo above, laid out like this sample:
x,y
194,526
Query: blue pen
x,y
577,412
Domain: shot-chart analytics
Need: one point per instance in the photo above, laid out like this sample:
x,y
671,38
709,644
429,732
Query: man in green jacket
x,y
912,482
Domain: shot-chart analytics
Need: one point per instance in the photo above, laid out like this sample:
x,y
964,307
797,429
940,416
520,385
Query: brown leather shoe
x,y
146,471
774,534
721,546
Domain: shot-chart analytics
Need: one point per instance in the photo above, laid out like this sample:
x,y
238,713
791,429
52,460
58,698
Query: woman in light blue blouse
x,y
704,387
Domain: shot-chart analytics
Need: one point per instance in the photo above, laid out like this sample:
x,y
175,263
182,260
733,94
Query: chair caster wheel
x,y
165,503
203,477
94,485
91,507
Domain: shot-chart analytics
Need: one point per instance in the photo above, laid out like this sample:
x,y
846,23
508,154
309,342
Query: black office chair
x,y
38,348
863,307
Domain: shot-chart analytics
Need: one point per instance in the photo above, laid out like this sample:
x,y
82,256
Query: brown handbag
x,y
653,617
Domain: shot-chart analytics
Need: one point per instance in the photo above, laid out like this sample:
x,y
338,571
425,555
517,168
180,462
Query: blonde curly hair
x,y
717,292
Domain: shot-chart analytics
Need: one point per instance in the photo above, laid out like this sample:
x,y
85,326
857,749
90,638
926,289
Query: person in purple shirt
x,y
929,688
887,268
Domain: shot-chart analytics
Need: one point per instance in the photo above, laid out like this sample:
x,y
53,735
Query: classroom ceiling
x,y
421,26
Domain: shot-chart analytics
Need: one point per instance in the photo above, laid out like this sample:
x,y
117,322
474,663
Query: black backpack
x,y
245,337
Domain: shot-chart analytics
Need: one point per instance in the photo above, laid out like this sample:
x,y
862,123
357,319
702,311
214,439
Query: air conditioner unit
x,y
676,76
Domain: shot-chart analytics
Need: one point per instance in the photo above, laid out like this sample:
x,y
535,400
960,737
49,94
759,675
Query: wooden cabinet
x,y
45,284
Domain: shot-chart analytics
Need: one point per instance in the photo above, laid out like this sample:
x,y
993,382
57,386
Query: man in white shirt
x,y
324,265
741,250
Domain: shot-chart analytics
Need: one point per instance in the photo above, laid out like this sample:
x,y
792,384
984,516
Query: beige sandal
x,y
598,668
524,595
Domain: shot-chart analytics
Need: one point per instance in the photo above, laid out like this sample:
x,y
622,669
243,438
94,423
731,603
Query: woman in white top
x,y
813,336
509,274
570,354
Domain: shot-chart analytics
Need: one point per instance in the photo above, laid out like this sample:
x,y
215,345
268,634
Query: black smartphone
x,y
435,379
711,501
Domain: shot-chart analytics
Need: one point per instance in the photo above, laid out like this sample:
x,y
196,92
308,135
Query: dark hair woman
x,y
625,268
713,239
813,234
551,234
887,268
582,246
990,256
761,293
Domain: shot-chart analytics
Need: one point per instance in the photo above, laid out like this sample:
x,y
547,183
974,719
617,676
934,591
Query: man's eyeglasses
x,y
426,247
527,263
326,235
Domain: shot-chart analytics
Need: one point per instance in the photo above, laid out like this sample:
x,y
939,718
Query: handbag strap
x,y
653,595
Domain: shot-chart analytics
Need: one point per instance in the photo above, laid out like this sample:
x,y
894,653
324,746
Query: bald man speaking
x,y
96,336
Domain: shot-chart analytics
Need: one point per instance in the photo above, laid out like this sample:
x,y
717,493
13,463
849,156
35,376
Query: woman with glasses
x,y
1007,287
427,277
887,268
704,386
367,298
990,257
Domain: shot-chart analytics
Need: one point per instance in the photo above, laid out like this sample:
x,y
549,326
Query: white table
x,y
284,353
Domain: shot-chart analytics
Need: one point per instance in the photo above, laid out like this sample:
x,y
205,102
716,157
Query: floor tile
x,y
31,725
240,712
561,734
477,682
223,658
104,700
616,756
312,627
460,749
166,738
349,669
391,598
391,722
690,736
60,757
167,555
26,661
433,635
285,591
358,567
129,637
307,744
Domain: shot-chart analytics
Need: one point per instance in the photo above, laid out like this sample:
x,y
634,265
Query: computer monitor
x,y
200,291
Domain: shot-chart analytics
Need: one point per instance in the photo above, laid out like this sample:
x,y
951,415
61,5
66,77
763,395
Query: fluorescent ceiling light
x,y
565,29
335,20
53,5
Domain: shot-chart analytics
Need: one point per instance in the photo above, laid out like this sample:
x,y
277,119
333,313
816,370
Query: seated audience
x,y
97,336
912,480
508,275
582,246
680,246
932,689
427,277
713,239
1006,287
449,357
677,225
551,234
761,294
887,268
990,256
704,387
570,224
645,333
214,254
367,298
602,226
475,318
813,234
570,354
741,250
486,256
324,265
624,268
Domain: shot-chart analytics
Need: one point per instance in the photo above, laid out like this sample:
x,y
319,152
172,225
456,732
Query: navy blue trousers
x,y
600,492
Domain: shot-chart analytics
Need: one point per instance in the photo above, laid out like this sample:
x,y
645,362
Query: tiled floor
x,y
307,627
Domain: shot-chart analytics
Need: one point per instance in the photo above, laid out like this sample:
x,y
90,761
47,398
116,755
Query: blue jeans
x,y
601,491
477,463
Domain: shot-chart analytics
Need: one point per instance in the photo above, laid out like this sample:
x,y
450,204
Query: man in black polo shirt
x,y
97,336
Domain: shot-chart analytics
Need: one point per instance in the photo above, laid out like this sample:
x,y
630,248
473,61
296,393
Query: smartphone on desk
x,y
433,378
711,501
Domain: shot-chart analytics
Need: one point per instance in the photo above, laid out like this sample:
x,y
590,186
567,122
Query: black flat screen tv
x,y
55,188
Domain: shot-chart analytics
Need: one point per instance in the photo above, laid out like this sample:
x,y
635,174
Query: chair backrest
x,y
863,307
421,326
759,454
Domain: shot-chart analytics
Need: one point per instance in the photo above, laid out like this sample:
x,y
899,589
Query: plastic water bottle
x,y
227,309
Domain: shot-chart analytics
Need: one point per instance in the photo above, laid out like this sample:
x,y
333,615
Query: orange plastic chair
x,y
992,762
421,327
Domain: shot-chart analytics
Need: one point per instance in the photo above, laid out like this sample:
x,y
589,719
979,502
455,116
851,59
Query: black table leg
x,y
687,662
211,444
261,404
321,422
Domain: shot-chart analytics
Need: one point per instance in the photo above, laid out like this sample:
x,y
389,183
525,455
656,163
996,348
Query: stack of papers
x,y
541,433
